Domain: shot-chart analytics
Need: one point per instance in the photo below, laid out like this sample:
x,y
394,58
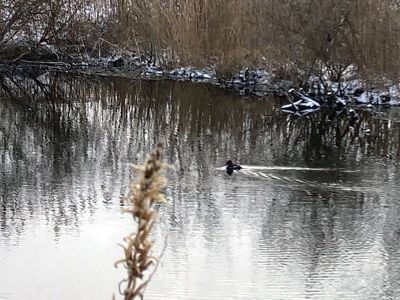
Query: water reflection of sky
x,y
263,233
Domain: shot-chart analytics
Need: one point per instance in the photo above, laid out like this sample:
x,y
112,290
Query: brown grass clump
x,y
294,39
143,195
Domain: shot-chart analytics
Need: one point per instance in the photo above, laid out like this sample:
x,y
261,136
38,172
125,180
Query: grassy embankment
x,y
293,39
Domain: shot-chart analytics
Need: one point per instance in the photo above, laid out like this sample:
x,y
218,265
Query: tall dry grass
x,y
286,35
198,32
294,38
143,195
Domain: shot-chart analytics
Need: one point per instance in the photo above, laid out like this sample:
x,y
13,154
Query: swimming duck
x,y
230,167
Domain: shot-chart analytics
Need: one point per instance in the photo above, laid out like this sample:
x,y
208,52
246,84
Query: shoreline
x,y
248,82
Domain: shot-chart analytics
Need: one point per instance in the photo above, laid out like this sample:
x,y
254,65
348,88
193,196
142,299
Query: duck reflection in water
x,y
230,167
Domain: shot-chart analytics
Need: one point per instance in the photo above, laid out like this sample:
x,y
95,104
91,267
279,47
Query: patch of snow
x,y
362,99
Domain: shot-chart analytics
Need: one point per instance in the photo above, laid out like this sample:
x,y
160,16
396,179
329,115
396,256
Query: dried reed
x,y
143,195
295,37
292,38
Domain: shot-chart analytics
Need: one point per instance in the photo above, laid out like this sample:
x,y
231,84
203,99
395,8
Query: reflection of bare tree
x,y
68,141
327,236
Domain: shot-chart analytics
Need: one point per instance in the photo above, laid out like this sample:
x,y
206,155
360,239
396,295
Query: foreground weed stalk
x,y
143,195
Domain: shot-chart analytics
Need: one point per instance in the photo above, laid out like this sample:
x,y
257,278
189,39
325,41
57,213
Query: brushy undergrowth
x,y
143,195
292,38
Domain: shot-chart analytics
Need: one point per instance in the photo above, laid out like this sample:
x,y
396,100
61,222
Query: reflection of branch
x,y
17,85
22,55
49,93
6,88
41,85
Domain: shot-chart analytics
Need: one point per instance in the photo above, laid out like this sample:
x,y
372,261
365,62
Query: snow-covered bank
x,y
316,91
320,90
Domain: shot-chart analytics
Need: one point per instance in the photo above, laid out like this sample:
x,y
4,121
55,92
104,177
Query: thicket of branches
x,y
292,37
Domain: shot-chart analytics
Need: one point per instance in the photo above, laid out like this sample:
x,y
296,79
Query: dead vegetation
x,y
292,38
143,195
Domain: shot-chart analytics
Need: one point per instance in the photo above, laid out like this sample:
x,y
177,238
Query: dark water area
x,y
314,214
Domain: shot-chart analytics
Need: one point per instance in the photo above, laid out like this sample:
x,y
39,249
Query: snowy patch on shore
x,y
324,88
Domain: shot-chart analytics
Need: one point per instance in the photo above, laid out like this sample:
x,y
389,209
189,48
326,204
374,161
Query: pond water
x,y
314,214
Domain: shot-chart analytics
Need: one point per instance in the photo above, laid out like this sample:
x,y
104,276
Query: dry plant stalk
x,y
292,38
143,195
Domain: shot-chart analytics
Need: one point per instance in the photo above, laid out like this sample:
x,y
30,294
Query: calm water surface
x,y
315,213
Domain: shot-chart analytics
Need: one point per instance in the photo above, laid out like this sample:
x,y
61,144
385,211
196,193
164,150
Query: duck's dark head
x,y
229,163
230,166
